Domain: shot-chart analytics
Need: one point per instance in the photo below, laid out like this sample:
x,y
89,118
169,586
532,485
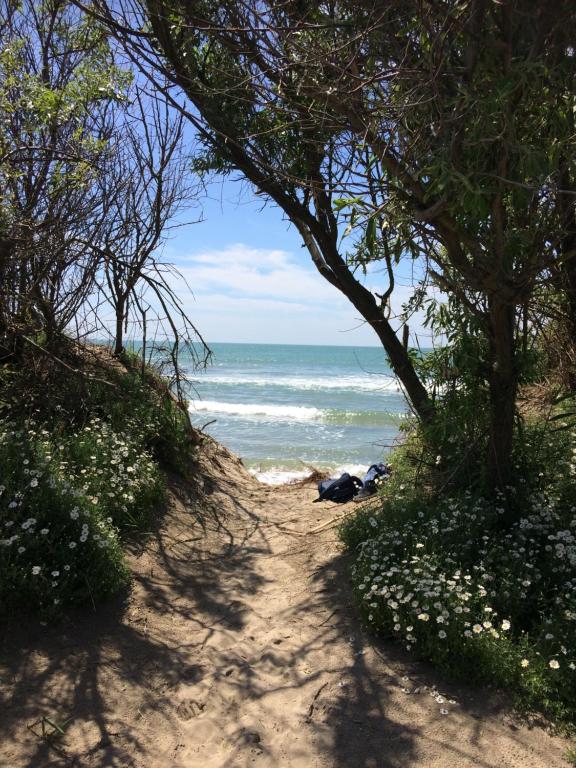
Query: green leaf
x,y
370,236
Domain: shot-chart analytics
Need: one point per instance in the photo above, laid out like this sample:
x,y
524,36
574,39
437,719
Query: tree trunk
x,y
6,286
503,388
569,287
333,268
403,368
119,336
567,208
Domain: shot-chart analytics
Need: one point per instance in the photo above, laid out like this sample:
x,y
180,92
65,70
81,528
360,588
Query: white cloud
x,y
240,293
239,270
218,303
238,253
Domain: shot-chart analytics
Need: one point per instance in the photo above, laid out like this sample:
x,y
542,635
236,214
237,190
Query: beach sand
x,y
239,645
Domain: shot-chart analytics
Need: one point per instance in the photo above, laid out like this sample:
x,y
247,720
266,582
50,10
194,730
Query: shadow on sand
x,y
199,582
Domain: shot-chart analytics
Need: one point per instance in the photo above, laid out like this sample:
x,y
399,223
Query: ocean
x,y
284,409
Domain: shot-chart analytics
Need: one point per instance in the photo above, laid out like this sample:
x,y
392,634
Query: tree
x,y
91,174
443,131
148,185
57,83
291,166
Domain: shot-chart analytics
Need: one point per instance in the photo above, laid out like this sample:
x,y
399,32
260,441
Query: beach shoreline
x,y
286,408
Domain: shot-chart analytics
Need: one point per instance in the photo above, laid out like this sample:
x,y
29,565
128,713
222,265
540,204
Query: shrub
x,y
113,471
132,402
65,498
81,451
144,405
484,588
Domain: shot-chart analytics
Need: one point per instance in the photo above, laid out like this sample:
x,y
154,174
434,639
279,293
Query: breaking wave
x,y
296,413
376,383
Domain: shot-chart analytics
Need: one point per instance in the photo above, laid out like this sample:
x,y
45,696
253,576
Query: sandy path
x,y
238,646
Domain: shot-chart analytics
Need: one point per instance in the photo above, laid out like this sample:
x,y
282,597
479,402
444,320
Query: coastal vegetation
x,y
435,135
91,175
83,463
442,135
487,600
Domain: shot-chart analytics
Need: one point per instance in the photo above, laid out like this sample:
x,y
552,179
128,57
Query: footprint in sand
x,y
190,708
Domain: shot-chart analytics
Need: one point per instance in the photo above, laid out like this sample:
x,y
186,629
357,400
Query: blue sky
x,y
252,281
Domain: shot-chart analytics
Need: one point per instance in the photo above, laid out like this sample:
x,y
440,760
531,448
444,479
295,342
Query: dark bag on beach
x,y
375,471
341,490
376,474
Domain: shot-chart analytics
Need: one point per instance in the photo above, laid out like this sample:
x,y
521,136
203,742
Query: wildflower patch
x,y
65,499
480,599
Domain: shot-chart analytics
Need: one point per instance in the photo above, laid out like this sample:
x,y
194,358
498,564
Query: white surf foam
x,y
353,469
347,383
281,476
278,476
276,412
